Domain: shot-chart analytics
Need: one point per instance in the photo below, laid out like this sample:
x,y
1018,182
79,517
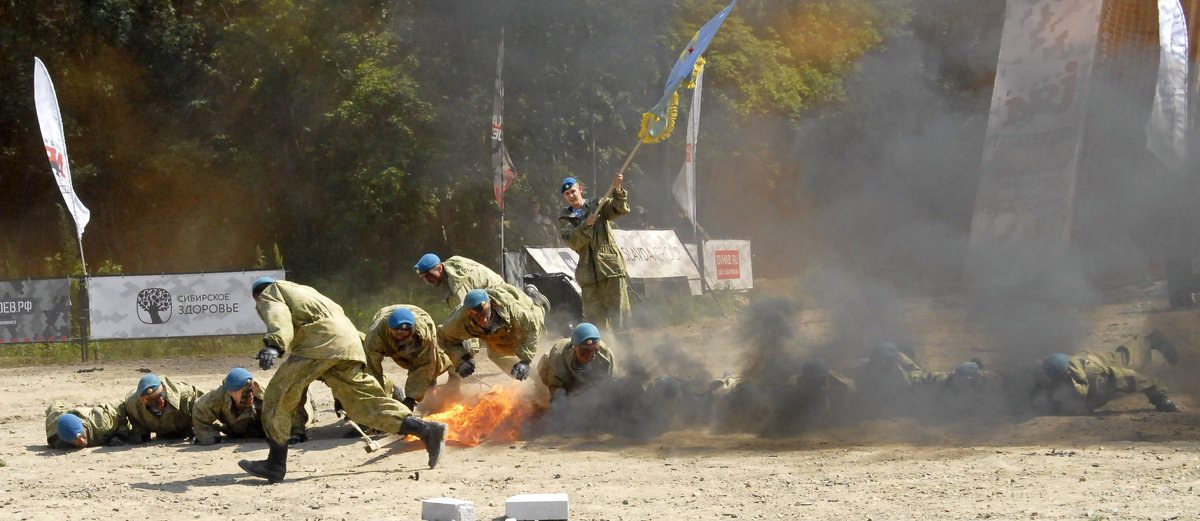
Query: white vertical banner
x,y
685,184
1026,187
50,121
1166,130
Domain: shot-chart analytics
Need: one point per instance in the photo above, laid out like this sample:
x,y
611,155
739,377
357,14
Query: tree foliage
x,y
352,136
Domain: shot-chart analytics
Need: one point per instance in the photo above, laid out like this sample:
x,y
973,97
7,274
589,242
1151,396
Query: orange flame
x,y
497,416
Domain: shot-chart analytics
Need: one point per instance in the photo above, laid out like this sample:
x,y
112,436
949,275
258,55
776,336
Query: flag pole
x,y
629,159
85,305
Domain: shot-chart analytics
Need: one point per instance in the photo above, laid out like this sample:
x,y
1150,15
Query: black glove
x,y
138,439
115,441
410,403
267,357
204,442
397,394
521,370
466,368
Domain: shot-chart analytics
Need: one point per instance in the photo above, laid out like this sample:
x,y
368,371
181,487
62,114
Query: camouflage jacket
x,y
421,355
214,414
463,275
101,423
599,257
303,322
517,325
558,369
176,419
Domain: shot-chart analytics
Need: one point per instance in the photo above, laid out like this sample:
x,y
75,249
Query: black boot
x,y
432,433
1158,342
1161,402
273,468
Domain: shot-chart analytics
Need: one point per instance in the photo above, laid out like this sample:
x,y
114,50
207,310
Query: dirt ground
x,y
1126,462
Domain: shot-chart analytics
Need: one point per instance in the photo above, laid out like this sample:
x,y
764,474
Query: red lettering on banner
x,y
56,161
729,264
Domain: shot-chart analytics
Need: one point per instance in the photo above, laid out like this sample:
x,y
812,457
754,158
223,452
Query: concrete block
x,y
536,507
447,509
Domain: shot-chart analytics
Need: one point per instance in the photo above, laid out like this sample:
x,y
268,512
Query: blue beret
x,y
237,379
475,298
967,371
69,427
148,384
261,281
585,333
402,318
427,262
1056,364
568,183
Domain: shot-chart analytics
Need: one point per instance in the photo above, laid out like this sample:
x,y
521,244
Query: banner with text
x,y
649,254
35,311
1025,197
727,264
175,305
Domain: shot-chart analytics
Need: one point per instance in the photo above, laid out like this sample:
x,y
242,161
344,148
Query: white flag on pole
x,y
1166,131
50,121
685,184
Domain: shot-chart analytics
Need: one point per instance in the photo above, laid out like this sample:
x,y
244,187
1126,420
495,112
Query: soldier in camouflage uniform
x,y
407,335
161,406
1083,382
70,427
575,362
234,410
586,227
507,321
321,344
885,381
457,276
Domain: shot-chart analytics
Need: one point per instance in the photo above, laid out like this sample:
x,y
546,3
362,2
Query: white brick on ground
x,y
536,507
447,509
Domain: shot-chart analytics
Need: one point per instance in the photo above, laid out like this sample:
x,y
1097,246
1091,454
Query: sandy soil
x,y
1127,462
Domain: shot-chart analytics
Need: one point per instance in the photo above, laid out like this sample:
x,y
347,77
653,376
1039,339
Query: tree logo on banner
x,y
154,306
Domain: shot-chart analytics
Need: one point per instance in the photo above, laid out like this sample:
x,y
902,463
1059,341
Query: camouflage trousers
x,y
606,304
359,393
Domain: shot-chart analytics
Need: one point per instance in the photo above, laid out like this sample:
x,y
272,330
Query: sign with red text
x,y
727,264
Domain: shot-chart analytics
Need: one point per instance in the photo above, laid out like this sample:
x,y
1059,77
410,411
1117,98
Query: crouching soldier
x,y
161,406
234,410
575,362
322,344
408,336
507,321
77,427
1083,382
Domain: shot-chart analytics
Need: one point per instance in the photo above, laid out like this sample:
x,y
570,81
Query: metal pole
x,y
84,306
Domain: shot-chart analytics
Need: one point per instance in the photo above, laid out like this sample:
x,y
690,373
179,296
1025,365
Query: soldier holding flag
x,y
586,227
